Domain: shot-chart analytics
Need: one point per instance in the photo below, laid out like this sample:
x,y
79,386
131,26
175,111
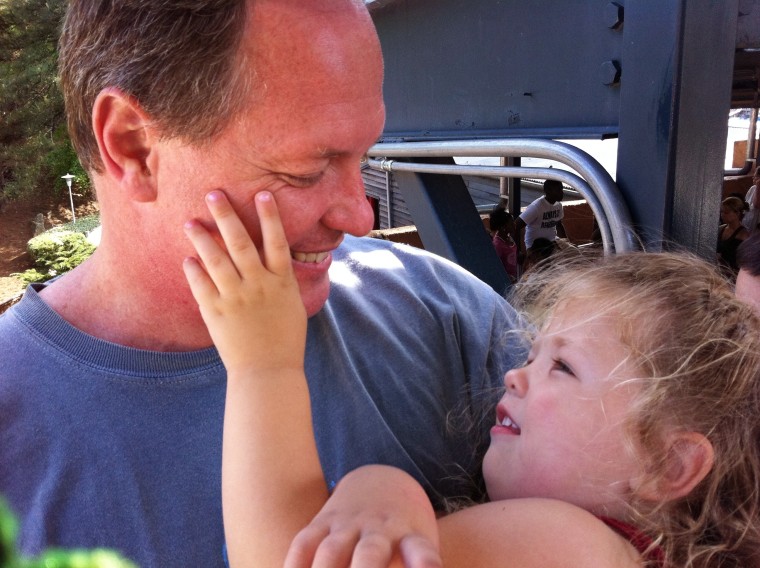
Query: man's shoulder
x,y
374,269
366,253
28,316
535,205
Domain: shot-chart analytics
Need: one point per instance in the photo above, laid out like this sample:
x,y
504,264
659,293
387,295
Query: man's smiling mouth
x,y
310,257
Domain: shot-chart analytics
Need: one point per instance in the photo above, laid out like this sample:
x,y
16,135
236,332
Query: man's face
x,y
554,193
316,109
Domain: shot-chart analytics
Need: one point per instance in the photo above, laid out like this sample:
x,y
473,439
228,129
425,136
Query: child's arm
x,y
377,516
532,533
525,533
272,482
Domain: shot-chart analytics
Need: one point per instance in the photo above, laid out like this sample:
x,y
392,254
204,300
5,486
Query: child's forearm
x,y
377,516
268,443
250,301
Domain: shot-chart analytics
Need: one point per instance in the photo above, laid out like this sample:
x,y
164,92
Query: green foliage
x,y
34,146
8,531
82,225
55,252
9,558
61,159
59,251
30,276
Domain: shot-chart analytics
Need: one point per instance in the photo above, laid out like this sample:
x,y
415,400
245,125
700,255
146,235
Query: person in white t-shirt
x,y
542,218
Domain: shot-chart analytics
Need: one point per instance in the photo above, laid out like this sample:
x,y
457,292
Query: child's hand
x,y
252,306
378,516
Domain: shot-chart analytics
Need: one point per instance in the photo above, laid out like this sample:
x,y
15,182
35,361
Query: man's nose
x,y
349,210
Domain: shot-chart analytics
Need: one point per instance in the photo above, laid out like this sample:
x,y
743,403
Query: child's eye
x,y
562,367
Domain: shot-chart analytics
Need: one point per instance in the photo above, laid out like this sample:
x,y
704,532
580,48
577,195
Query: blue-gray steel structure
x,y
655,73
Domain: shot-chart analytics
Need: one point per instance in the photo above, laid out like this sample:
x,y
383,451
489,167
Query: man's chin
x,y
314,296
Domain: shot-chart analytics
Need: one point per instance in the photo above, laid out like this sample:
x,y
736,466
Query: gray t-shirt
x,y
107,446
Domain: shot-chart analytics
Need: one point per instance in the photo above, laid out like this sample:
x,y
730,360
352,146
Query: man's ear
x,y
689,459
125,140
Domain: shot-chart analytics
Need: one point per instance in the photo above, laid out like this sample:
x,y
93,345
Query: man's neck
x,y
129,308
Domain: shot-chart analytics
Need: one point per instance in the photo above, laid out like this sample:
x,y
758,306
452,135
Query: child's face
x,y
727,214
567,407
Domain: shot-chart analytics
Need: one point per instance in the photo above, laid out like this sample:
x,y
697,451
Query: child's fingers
x,y
304,546
218,266
336,549
373,551
419,552
276,247
201,285
239,245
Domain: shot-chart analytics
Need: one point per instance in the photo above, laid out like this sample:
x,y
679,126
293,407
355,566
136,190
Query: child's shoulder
x,y
532,533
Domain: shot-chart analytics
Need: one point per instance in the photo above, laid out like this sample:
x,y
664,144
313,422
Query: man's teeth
x,y
507,422
309,256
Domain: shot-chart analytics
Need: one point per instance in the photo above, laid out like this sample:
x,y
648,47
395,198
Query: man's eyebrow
x,y
332,153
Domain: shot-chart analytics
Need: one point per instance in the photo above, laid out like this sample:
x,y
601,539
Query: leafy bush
x,y
55,252
9,558
30,276
82,225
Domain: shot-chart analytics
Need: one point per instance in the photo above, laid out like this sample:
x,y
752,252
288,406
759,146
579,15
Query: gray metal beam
x,y
677,65
449,225
748,26
498,68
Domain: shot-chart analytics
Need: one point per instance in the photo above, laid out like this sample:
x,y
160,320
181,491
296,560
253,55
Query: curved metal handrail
x,y
593,181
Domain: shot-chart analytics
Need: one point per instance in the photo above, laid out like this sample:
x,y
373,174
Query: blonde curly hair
x,y
698,351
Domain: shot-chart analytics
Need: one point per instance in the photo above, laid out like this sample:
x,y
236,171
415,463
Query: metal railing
x,y
593,182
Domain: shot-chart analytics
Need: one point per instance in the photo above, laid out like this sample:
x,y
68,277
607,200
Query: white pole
x,y
68,177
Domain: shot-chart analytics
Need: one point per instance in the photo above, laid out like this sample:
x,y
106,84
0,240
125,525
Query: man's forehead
x,y
322,6
303,14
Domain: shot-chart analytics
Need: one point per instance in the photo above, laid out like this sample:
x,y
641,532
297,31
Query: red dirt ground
x,y
17,227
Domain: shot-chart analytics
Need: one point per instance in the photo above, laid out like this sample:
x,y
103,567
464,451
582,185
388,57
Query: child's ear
x,y
125,140
689,459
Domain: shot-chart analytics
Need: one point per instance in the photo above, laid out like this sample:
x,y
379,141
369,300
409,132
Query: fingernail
x,y
214,196
189,224
264,196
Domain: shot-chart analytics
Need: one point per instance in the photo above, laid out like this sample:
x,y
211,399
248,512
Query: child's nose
x,y
516,381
